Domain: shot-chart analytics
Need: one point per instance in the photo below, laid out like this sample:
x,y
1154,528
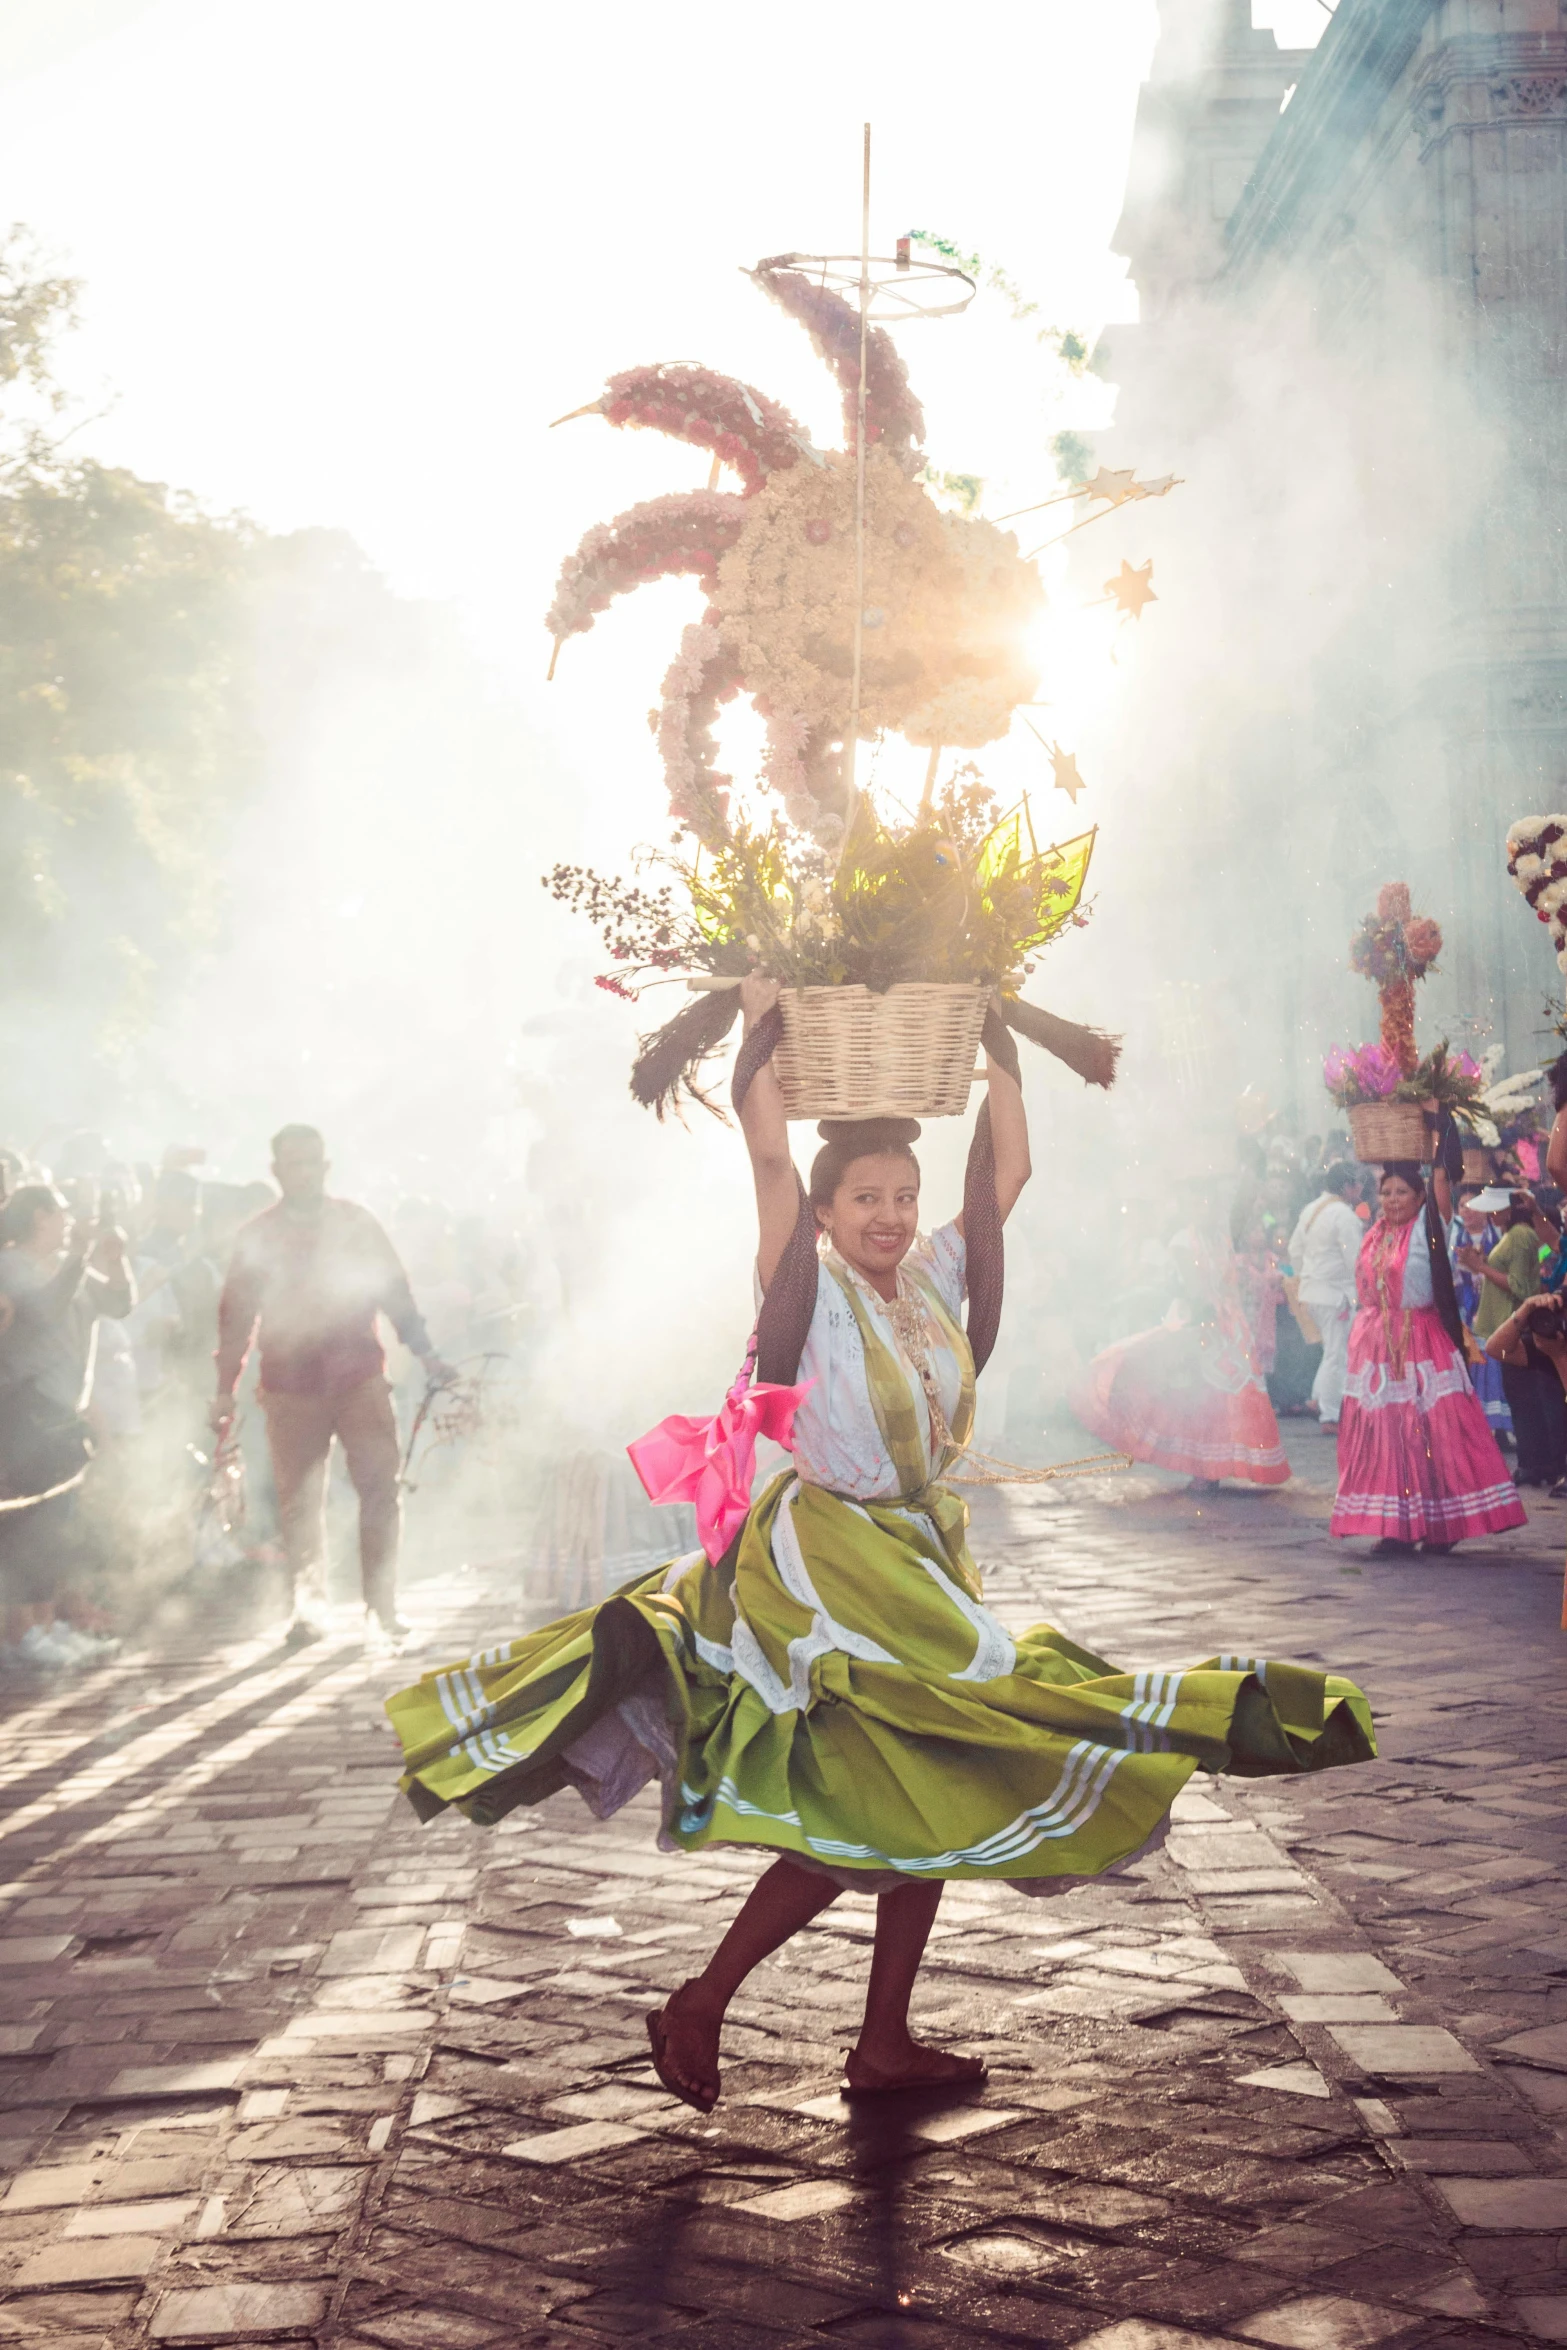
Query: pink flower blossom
x,y
1360,1073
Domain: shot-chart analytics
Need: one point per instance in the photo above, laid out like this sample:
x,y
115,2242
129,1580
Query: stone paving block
x,y
1298,2248
300,2202
78,2317
1456,2296
1094,2206
237,2312
100,2260
118,2219
1296,2080
1461,2157
1506,2203
1220,1881
34,1949
551,2146
294,2139
1546,2045
54,2186
174,2080
1136,2333
1337,2007
961,2122
1325,2321
1403,2048
614,2103
1543,2316
486,1991
429,2329
1337,1970
806,2199
372,1950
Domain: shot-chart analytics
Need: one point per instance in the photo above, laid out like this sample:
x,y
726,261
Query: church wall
x,y
1366,397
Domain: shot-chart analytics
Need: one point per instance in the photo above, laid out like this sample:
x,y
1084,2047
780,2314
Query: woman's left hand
x,y
758,994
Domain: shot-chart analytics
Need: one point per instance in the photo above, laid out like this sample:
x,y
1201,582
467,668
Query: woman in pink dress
x,y
1188,1395
1416,1461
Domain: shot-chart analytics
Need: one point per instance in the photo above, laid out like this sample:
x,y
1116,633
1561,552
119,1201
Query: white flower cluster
x,y
696,795
1537,861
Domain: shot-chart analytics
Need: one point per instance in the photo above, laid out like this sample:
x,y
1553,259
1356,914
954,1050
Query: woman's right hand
x,y
758,994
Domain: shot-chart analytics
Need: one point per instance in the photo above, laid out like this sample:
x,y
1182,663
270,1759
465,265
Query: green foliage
x,y
124,736
956,895
121,729
1070,346
1074,458
963,489
35,309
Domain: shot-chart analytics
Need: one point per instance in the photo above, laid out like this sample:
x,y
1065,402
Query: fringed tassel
x,y
1087,1050
668,1061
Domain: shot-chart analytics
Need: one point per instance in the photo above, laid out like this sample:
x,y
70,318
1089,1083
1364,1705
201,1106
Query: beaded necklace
x,y
911,1328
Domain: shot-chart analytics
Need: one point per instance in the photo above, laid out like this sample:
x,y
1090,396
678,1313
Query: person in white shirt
x,y
1324,1247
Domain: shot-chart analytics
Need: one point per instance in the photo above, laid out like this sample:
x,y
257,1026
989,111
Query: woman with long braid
x,y
832,1687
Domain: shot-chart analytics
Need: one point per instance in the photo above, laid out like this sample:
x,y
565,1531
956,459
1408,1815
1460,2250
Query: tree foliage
x,y
124,698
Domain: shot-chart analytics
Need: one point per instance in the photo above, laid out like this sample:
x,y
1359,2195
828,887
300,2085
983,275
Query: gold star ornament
x,y
1067,778
1132,588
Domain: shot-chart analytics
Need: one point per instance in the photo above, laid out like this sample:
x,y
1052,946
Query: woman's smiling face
x,y
1400,1200
875,1212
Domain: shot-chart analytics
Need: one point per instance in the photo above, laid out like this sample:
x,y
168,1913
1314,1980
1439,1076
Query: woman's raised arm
x,y
766,1132
1008,1137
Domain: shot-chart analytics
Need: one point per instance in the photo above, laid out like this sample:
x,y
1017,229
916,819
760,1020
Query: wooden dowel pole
x,y
851,789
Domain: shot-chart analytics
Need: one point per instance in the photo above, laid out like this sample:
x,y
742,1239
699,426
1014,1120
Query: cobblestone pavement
x,y
276,2063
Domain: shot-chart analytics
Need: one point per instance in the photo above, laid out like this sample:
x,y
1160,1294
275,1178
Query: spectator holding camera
x,y
58,1275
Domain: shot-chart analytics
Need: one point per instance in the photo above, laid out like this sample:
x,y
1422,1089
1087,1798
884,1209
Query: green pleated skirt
x,y
846,1698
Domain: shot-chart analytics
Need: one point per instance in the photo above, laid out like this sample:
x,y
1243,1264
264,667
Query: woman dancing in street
x,y
1190,1395
833,1688
1416,1460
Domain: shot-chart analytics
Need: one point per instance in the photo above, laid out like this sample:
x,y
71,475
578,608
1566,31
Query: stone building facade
x,y
1352,266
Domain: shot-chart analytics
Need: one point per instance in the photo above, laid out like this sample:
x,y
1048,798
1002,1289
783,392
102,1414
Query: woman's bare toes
x,y
684,2039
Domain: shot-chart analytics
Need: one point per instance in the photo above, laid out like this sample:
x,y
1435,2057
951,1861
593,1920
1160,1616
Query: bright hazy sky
x,y
344,259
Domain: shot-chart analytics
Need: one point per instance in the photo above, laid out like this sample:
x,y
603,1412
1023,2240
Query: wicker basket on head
x,y
846,1053
1477,1164
1390,1130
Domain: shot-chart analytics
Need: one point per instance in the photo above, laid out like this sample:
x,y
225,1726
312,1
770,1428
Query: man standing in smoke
x,y
1324,1250
314,1272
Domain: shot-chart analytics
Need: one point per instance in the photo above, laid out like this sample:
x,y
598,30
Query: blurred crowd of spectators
x,y
110,1275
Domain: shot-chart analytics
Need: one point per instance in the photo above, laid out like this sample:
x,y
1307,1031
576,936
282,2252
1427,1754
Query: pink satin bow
x,y
710,1462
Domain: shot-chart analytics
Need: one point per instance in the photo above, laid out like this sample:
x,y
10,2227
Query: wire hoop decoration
x,y
894,285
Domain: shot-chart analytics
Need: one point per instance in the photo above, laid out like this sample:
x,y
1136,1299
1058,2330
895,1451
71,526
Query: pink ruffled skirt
x,y
1416,1461
1187,1400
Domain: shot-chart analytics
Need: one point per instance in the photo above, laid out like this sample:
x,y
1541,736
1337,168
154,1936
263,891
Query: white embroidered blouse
x,y
837,1442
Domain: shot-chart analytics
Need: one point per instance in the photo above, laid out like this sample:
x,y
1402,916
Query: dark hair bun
x,y
846,1139
870,1134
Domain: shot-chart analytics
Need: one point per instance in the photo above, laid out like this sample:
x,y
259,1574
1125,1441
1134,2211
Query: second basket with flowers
x,y
1393,1096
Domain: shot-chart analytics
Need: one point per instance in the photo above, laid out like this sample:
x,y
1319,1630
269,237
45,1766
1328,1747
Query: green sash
x,y
894,1402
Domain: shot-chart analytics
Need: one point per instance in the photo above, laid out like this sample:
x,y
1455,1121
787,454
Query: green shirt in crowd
x,y
1517,1254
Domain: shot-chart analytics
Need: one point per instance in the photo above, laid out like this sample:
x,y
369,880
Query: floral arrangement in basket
x,y
958,896
1395,948
1359,1076
829,894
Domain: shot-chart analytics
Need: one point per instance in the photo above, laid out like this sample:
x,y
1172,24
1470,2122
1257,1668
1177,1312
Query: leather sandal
x,y
658,2041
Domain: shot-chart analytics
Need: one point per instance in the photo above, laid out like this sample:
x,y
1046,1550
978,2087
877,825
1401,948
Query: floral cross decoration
x,y
1393,948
